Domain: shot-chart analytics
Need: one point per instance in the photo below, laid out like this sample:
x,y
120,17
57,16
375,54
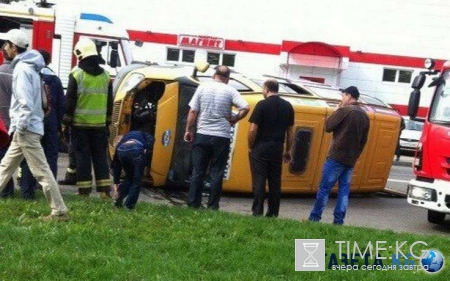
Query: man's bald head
x,y
222,73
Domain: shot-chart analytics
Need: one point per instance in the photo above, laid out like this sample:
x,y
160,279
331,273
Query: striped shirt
x,y
213,102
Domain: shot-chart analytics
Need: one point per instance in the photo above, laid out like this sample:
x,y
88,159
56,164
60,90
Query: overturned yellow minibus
x,y
167,90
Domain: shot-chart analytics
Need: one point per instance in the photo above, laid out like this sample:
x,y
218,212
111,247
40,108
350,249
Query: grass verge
x,y
175,243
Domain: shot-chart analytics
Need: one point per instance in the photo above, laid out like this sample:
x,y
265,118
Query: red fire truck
x,y
431,187
57,29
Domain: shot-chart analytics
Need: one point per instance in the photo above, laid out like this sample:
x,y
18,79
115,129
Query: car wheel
x,y
436,217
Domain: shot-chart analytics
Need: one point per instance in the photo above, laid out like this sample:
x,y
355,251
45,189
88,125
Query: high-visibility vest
x,y
92,100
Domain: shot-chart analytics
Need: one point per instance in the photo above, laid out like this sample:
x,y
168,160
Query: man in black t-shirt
x,y
271,123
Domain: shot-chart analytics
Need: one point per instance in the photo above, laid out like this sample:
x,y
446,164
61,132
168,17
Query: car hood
x,y
411,134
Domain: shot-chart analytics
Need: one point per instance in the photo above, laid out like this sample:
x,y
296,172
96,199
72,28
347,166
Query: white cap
x,y
17,37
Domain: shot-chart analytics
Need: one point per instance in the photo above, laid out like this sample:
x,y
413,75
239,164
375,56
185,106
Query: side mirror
x,y
138,43
114,60
200,66
418,82
413,104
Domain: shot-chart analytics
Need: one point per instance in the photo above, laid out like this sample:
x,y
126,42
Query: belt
x,y
132,142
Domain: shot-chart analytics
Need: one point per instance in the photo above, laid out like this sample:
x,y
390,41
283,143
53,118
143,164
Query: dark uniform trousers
x,y
266,160
90,147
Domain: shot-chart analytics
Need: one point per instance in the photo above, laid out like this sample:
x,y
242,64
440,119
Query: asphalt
x,y
405,161
178,197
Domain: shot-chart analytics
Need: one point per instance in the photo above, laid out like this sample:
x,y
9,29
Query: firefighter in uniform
x,y
88,112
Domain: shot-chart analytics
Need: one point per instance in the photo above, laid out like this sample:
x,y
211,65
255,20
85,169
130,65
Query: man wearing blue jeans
x,y
210,110
132,156
350,127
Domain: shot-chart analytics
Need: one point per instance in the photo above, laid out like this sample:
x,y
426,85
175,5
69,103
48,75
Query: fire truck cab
x,y
57,29
431,187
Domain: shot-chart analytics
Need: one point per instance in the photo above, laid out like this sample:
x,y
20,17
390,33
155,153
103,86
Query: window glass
x,y
405,76
173,54
413,125
228,59
204,78
326,93
233,83
238,85
389,75
440,108
188,56
373,101
213,58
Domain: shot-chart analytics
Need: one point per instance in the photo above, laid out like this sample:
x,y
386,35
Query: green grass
x,y
174,243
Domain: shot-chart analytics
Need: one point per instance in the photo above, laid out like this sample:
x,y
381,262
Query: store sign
x,y
201,42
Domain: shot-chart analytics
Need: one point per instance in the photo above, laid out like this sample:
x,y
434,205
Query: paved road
x,y
380,210
401,174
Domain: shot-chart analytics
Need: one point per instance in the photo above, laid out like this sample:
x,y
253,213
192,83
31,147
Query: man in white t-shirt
x,y
211,112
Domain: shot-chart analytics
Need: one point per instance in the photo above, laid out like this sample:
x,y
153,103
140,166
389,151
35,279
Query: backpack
x,y
46,98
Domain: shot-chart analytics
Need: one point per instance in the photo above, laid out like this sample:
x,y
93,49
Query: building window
x,y
404,76
228,59
221,59
397,75
213,58
188,56
389,75
173,54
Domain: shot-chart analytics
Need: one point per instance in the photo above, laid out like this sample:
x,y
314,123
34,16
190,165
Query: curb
x,y
395,192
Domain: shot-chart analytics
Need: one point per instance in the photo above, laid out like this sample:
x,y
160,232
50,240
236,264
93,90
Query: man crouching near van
x,y
350,127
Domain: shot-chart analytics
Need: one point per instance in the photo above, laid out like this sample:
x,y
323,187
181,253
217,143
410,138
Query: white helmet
x,y
85,48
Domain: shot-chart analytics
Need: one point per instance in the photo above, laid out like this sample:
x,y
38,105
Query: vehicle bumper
x,y
432,196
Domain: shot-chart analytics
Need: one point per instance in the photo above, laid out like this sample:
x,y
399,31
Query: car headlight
x,y
132,81
421,193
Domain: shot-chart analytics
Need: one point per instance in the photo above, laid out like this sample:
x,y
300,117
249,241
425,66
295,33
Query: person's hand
x,y
116,191
188,136
233,119
287,158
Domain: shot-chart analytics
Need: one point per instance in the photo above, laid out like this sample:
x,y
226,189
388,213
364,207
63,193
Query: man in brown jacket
x,y
350,127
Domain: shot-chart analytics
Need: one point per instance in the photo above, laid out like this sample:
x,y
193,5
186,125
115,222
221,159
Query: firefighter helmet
x,y
85,48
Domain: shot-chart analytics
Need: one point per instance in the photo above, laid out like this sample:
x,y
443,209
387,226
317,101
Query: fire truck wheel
x,y
436,217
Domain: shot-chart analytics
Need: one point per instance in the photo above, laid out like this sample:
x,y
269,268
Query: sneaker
x,y
54,217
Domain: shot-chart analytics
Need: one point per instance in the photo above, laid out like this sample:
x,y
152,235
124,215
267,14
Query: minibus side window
x,y
302,144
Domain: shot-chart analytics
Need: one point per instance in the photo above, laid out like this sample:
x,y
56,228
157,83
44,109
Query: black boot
x,y
70,179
